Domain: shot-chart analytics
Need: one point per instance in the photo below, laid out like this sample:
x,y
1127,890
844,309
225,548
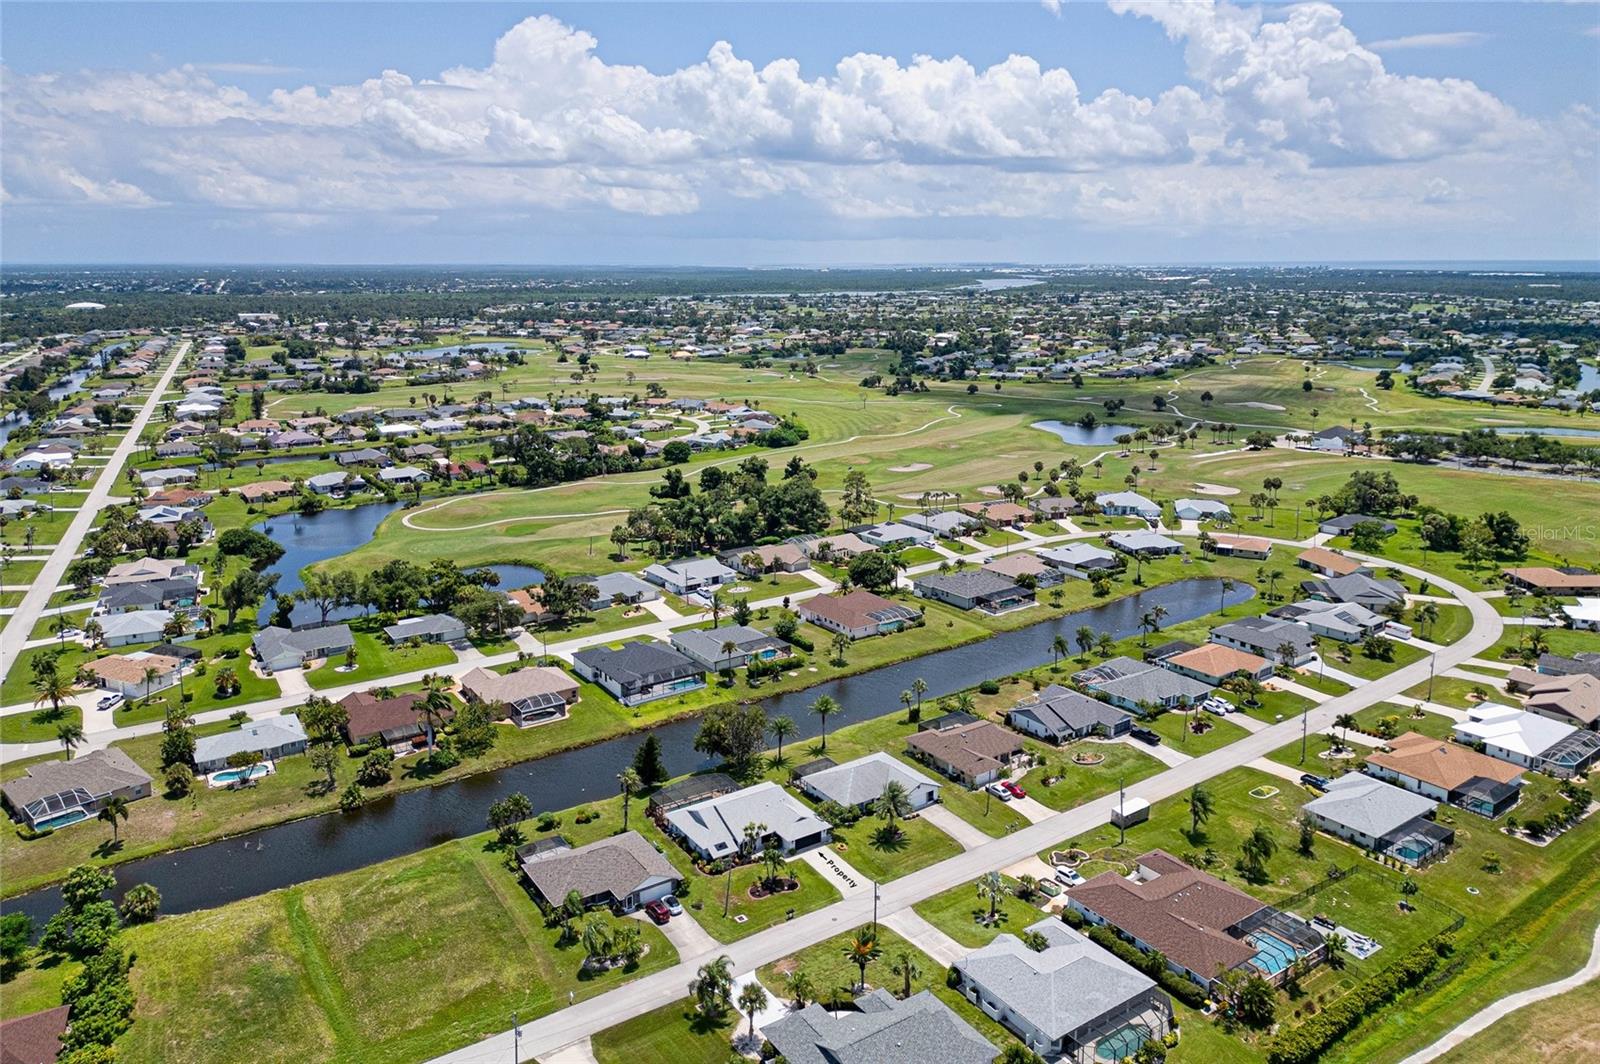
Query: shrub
x,y
1191,994
989,687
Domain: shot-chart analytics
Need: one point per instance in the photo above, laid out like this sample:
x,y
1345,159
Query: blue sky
x,y
605,133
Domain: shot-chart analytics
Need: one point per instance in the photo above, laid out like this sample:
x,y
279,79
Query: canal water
x,y
286,854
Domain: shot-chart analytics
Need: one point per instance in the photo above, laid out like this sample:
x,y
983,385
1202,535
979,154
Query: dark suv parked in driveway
x,y
1145,735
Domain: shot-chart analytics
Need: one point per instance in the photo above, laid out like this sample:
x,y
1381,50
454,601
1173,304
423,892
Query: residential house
x,y
162,478
391,721
431,628
139,626
1063,1000
1024,566
858,614
612,589
264,491
1231,546
1573,699
1214,663
1144,544
38,1037
57,793
688,575
270,737
639,672
135,675
999,514
1584,615
1568,580
973,754
1347,623
1344,524
1278,641
1357,588
713,829
621,872
837,547
1151,687
1081,560
1529,740
151,595
768,558
1202,510
1128,503
1329,562
1202,926
879,1029
895,534
336,485
1380,817
531,696
946,524
857,784
979,589
1447,772
284,648
146,569
1059,714
730,646
404,475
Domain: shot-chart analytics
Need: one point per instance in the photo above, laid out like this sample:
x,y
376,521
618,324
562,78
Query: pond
x,y
1071,432
498,347
280,856
1528,430
309,540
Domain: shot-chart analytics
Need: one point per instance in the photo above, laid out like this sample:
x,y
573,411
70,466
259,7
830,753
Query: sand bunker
x,y
1260,406
914,467
990,489
1214,489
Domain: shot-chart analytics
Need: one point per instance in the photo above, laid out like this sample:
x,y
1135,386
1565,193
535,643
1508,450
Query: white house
x,y
857,784
1201,510
1128,503
688,575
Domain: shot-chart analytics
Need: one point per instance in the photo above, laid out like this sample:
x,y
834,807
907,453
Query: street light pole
x,y
874,905
1122,818
1304,726
516,1041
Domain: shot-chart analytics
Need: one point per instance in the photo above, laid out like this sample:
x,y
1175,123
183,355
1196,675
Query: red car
x,y
1013,789
657,912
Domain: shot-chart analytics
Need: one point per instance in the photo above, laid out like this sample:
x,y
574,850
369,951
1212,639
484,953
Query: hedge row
x,y
1308,1041
1185,990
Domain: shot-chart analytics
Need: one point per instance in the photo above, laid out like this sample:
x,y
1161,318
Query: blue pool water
x,y
1122,1043
233,775
1273,954
62,820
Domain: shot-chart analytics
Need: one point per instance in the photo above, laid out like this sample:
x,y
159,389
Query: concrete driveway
x,y
685,934
968,836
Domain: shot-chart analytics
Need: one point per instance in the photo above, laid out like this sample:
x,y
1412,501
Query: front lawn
x,y
960,913
1081,783
676,1034
38,725
1177,731
919,844
376,658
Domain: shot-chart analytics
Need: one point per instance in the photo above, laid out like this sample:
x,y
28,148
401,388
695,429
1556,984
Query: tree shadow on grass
x,y
890,840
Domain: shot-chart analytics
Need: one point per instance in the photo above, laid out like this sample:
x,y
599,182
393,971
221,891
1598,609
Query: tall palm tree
x,y
716,608
116,806
51,686
69,735
781,728
905,966
1344,722
1201,806
919,687
630,784
862,950
1084,637
798,985
825,707
1059,649
713,985
991,888
891,805
729,649
433,705
752,999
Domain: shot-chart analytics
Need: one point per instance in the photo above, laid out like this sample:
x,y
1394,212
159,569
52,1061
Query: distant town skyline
x,y
801,134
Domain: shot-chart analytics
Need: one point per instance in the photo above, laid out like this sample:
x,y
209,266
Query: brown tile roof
x,y
1331,561
35,1038
1554,579
1183,912
263,488
1254,543
854,610
515,686
1443,764
125,669
370,715
971,749
1020,564
1219,661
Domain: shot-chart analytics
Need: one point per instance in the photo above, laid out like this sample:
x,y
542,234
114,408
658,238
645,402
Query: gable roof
x,y
1062,709
1332,561
35,1038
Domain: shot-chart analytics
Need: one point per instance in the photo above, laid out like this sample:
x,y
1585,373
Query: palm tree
x,y
1344,722
825,707
905,966
51,686
629,783
1084,637
712,986
433,705
1059,649
596,937
1223,589
752,999
1147,622
94,633
862,950
797,984
116,806
840,643
919,687
1105,644
781,728
69,735
906,698
729,649
1201,806
716,608
893,803
1257,849
991,888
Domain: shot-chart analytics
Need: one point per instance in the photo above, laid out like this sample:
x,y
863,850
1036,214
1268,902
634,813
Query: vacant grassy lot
x,y
377,658
676,1034
919,844
963,914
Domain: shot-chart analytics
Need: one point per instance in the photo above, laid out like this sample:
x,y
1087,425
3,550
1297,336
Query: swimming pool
x,y
61,820
1123,1042
235,775
1273,954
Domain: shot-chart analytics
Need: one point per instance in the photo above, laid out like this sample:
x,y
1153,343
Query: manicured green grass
x,y
963,915
1177,731
376,658
1453,623
1453,691
1361,665
1080,783
917,845
676,1034
38,725
1558,1030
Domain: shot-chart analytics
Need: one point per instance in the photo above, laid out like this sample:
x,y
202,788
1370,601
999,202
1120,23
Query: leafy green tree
x,y
647,762
141,904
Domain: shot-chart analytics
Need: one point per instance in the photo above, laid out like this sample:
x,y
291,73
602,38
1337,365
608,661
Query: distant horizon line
x,y
1573,265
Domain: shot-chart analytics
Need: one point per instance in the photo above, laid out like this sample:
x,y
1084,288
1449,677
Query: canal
x,y
286,854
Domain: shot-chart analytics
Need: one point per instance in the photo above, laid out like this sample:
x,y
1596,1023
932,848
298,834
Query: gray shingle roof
x,y
617,866
863,779
716,825
919,1030
268,733
1370,806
